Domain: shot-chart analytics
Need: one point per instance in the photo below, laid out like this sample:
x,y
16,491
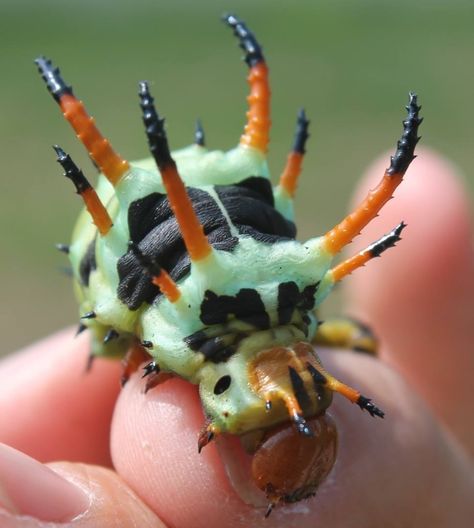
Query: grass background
x,y
349,62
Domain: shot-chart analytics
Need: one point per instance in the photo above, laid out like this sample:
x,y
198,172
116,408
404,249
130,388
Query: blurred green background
x,y
350,63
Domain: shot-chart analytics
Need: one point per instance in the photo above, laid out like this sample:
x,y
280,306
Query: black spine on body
x,y
72,171
387,241
404,155
63,248
52,77
155,128
301,135
247,41
199,137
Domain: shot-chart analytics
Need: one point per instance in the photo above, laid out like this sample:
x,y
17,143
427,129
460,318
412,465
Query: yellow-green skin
x,y
251,264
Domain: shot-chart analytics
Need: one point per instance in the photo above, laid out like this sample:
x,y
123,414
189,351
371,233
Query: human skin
x,y
412,469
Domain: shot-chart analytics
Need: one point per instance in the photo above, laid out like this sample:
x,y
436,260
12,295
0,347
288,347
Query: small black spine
x,y
404,154
52,77
72,171
154,128
247,41
387,241
301,134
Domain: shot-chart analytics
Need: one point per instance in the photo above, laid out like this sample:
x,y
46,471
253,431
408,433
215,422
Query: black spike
x,y
151,368
80,329
404,155
89,315
247,41
366,403
147,344
387,241
148,263
299,389
71,170
63,248
199,137
301,134
110,336
52,77
155,128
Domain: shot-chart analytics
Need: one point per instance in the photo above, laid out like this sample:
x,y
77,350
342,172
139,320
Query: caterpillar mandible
x,y
191,265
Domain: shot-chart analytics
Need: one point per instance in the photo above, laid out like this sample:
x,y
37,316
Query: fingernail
x,y
28,487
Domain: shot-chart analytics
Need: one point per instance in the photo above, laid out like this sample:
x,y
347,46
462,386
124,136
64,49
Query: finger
x,y
381,464
52,409
420,296
33,495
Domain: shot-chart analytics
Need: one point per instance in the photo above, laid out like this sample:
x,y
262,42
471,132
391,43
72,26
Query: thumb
x,y
33,495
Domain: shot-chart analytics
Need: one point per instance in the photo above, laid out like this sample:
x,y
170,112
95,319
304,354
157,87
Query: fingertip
x,y
61,411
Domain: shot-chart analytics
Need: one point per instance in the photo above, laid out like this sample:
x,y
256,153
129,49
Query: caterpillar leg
x,y
207,434
345,332
135,356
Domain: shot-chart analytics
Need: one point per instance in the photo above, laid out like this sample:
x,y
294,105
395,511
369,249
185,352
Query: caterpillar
x,y
191,267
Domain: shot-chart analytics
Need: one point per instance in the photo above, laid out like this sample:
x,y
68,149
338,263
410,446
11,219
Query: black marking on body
x,y
318,378
404,155
291,298
250,206
222,384
88,263
299,390
217,349
153,228
246,305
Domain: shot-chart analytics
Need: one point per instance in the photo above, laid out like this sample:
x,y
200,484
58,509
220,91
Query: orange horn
x,y
99,148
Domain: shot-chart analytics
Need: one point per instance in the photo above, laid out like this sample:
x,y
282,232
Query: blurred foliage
x,y
350,63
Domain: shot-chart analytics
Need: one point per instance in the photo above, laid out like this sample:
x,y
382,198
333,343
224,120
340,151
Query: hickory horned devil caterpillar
x,y
191,264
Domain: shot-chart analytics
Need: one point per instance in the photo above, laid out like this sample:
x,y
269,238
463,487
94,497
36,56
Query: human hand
x,y
408,470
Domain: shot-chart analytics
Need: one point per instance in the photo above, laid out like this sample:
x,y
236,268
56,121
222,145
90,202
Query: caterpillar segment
x,y
111,164
202,277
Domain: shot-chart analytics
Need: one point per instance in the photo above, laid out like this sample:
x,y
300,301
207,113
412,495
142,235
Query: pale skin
x,y
412,469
